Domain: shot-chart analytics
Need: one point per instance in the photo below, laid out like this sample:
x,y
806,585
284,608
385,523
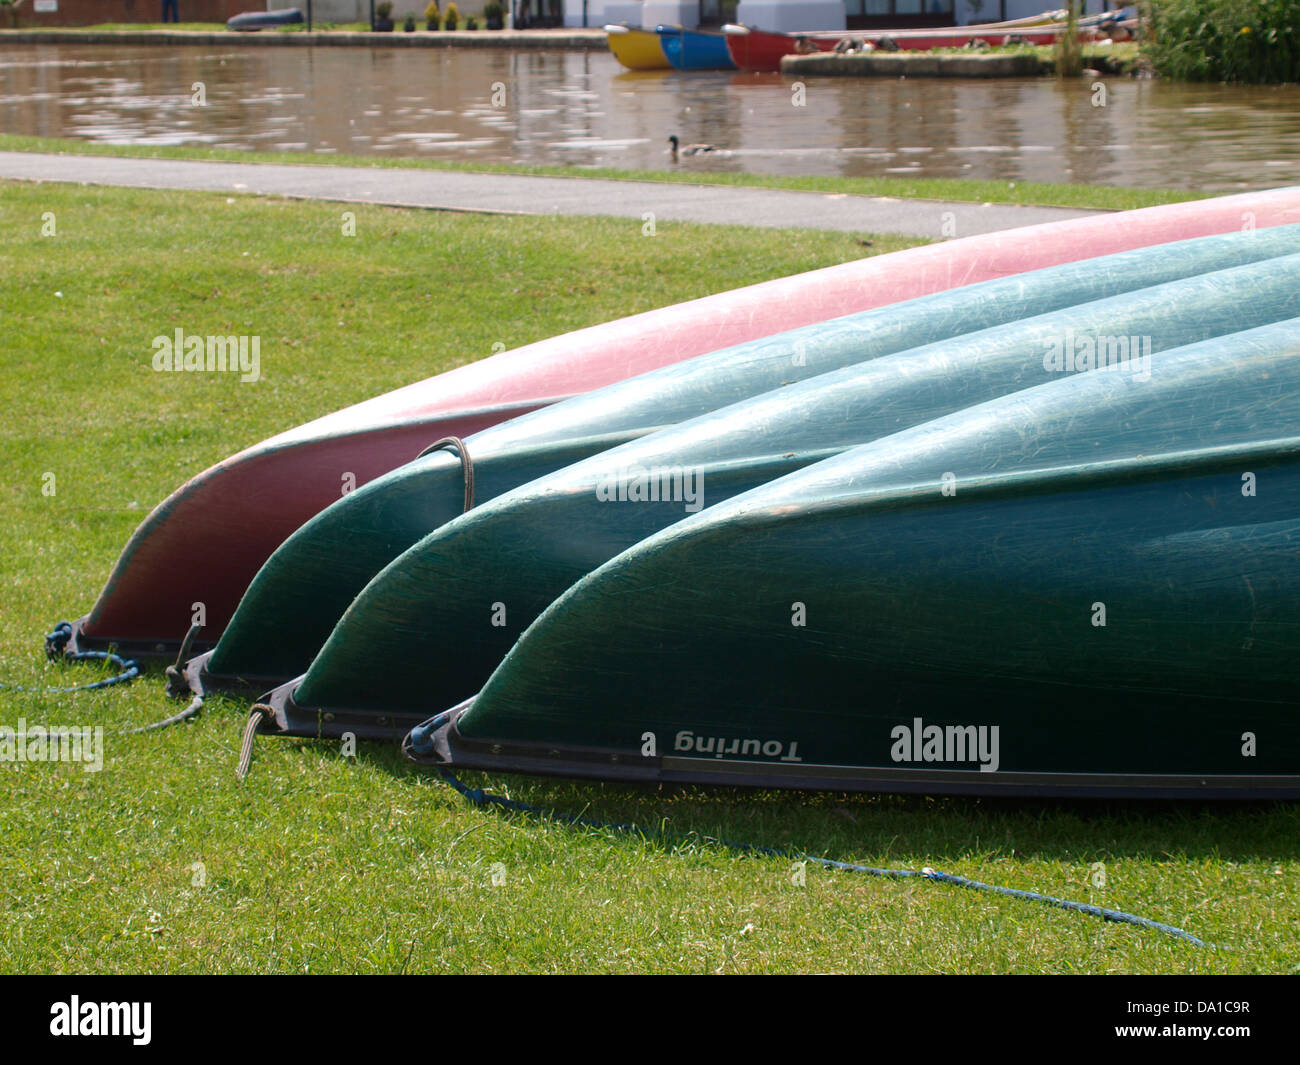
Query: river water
x,y
581,108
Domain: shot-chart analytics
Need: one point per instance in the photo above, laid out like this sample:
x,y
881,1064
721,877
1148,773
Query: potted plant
x,y
471,23
409,24
494,15
451,19
383,17
557,12
431,16
10,8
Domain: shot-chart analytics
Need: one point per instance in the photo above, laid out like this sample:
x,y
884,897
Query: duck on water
x,y
675,148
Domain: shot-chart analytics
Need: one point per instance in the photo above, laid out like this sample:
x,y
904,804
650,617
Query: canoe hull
x,y
694,49
637,49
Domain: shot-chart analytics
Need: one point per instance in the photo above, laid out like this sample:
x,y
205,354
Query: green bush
x,y
1225,40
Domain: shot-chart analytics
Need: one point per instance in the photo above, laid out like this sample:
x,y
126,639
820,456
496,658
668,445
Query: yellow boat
x,y
637,49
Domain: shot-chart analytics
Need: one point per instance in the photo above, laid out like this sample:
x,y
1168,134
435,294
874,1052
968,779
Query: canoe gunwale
x,y
193,678
444,747
290,718
151,649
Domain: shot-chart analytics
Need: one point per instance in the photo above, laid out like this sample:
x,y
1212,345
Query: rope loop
x,y
258,713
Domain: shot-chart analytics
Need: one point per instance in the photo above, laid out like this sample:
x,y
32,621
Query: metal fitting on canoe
x,y
420,738
177,683
455,443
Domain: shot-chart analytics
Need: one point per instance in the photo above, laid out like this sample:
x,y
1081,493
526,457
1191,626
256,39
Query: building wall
x,y
92,12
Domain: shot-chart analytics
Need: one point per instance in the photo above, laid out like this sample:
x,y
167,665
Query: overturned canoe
x,y
434,624
1084,588
296,599
232,516
688,49
636,49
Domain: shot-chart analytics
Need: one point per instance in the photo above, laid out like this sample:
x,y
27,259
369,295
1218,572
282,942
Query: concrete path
x,y
503,193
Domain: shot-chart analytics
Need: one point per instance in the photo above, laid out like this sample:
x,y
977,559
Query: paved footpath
x,y
509,194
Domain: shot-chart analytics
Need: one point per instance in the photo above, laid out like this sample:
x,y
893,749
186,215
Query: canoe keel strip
x,y
439,743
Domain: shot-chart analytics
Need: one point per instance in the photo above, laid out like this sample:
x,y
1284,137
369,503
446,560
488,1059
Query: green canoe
x,y
305,587
1088,587
429,629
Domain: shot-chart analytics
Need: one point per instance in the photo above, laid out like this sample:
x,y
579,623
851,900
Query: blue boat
x,y
694,49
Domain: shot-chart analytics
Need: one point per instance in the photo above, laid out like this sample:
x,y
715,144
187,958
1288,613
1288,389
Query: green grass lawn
x,y
1040,194
162,862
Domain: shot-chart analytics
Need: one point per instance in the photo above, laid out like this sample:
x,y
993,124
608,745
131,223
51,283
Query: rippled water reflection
x,y
581,108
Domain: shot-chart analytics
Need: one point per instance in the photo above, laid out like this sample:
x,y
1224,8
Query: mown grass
x,y
162,862
1040,194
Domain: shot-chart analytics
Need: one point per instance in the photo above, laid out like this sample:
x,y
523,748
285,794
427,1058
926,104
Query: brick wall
x,y
93,12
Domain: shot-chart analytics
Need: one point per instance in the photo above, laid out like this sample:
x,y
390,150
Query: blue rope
x,y
56,644
479,797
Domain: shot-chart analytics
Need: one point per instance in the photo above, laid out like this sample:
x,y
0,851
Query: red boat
x,y
762,50
205,542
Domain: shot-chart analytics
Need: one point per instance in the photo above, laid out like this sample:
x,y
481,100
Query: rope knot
x,y
56,642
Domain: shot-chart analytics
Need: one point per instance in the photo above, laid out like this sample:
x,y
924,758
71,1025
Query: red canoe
x,y
206,541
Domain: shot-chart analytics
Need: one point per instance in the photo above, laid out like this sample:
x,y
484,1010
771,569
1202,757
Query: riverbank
x,y
1121,60
1023,193
553,40
521,195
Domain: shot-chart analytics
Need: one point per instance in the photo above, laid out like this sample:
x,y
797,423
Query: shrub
x,y
452,17
1253,41
431,13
